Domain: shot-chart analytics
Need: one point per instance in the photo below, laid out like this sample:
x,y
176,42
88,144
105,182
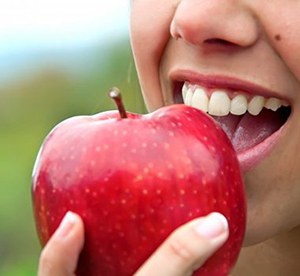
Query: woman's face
x,y
223,49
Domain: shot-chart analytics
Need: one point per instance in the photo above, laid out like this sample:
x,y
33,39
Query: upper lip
x,y
225,82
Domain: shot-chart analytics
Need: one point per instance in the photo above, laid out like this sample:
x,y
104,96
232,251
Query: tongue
x,y
248,131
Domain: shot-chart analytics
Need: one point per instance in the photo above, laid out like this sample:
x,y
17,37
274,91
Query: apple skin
x,y
134,180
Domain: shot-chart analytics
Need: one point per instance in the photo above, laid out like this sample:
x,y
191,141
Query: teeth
x,y
188,97
256,105
184,90
200,100
273,104
239,105
220,104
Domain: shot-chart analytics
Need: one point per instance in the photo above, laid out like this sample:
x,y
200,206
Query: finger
x,y
188,247
60,255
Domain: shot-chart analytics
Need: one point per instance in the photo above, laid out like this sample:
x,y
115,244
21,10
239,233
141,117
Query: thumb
x,y
60,255
188,247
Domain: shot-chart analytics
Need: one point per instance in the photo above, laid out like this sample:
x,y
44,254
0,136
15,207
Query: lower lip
x,y
250,158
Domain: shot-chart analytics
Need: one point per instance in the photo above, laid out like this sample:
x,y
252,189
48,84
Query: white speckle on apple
x,y
181,176
205,138
150,165
116,132
146,170
81,175
112,202
72,157
98,149
43,191
152,230
145,191
94,194
123,201
221,172
93,163
213,149
166,146
121,234
87,190
105,213
133,217
171,133
182,192
53,191
153,130
125,132
144,238
181,205
138,178
170,166
205,126
133,150
160,174
154,145
195,192
190,214
144,145
106,147
151,211
106,179
142,216
204,182
158,191
84,149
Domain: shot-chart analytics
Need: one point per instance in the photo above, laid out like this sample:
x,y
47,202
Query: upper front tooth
x,y
273,104
239,105
184,90
256,105
219,104
188,97
200,100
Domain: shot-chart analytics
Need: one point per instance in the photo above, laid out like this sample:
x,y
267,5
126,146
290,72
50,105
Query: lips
x,y
254,119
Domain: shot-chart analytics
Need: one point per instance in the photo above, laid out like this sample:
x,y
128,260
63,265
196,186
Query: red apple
x,y
134,180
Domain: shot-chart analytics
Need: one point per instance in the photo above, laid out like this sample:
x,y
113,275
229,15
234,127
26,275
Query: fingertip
x,y
62,250
212,226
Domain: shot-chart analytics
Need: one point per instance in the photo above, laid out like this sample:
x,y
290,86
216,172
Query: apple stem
x,y
115,94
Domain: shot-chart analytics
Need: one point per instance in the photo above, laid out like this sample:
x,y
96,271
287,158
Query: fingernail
x,y
66,225
212,226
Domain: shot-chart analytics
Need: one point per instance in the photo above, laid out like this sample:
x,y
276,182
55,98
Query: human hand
x,y
183,252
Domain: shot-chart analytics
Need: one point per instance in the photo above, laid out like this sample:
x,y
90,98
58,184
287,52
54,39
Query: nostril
x,y
218,41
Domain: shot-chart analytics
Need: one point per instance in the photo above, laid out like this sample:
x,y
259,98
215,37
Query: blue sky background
x,y
29,27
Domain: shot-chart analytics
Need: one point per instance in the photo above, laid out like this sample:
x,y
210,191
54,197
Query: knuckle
x,y
45,262
179,247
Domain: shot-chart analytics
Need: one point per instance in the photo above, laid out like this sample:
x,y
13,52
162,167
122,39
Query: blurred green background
x,y
63,83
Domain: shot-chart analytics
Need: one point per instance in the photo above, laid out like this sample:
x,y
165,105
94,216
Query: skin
x,y
253,40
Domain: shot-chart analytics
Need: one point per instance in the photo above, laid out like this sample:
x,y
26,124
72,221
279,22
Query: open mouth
x,y
249,120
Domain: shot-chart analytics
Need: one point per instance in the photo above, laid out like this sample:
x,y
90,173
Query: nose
x,y
218,22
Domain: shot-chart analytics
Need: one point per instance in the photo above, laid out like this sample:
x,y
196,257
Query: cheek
x,y
284,33
150,33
